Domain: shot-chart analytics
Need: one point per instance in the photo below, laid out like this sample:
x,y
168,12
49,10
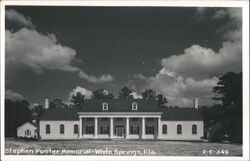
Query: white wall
x,y
55,130
186,130
21,130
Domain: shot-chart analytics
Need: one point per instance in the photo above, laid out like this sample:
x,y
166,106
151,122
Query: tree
x,y
78,99
37,111
57,103
149,94
229,89
125,93
102,94
16,114
162,100
229,113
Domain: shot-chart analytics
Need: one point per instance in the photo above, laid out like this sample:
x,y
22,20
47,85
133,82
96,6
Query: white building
x,y
127,119
28,130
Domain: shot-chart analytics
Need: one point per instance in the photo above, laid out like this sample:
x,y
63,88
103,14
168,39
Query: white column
x,y
159,128
80,128
127,128
111,128
143,128
96,127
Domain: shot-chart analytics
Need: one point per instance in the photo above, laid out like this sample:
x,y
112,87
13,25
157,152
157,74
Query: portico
x,y
119,125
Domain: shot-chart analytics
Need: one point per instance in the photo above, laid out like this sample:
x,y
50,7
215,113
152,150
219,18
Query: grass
x,y
121,147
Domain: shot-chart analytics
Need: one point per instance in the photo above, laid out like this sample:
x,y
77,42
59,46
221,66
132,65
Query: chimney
x,y
196,103
34,121
46,106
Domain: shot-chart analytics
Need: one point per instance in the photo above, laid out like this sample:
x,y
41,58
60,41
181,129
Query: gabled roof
x,y
182,114
121,105
31,123
60,114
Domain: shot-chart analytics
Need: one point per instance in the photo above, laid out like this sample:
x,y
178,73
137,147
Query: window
x,y
47,129
104,119
179,129
164,129
134,106
134,129
89,129
105,106
90,119
150,119
194,129
134,119
149,129
75,129
61,129
119,119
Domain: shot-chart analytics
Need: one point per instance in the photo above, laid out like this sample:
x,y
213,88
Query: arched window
x,y
105,106
75,129
194,129
47,129
164,129
179,129
134,106
61,129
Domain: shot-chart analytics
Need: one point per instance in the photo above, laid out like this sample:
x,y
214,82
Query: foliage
x,y
162,100
57,103
229,89
125,93
225,120
102,94
78,99
37,111
16,114
149,94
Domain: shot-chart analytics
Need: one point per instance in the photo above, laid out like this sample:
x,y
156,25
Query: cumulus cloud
x,y
91,78
13,15
195,72
29,48
87,93
38,51
135,95
201,62
9,94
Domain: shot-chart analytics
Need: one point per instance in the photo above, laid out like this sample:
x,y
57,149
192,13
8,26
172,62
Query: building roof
x,y
182,114
121,105
60,114
33,124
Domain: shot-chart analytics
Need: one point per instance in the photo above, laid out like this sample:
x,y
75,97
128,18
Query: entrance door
x,y
119,131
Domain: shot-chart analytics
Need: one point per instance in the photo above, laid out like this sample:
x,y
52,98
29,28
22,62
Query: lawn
x,y
120,147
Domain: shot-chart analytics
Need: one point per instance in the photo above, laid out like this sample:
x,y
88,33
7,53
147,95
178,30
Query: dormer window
x,y
105,106
134,106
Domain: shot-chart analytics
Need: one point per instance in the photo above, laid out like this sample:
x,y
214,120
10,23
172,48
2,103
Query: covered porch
x,y
120,125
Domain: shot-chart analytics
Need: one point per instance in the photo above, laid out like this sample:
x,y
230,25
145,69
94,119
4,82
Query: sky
x,y
180,52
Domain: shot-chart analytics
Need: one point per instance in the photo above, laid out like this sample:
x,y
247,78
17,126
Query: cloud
x,y
201,62
87,93
195,72
135,95
37,51
93,79
13,95
13,15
